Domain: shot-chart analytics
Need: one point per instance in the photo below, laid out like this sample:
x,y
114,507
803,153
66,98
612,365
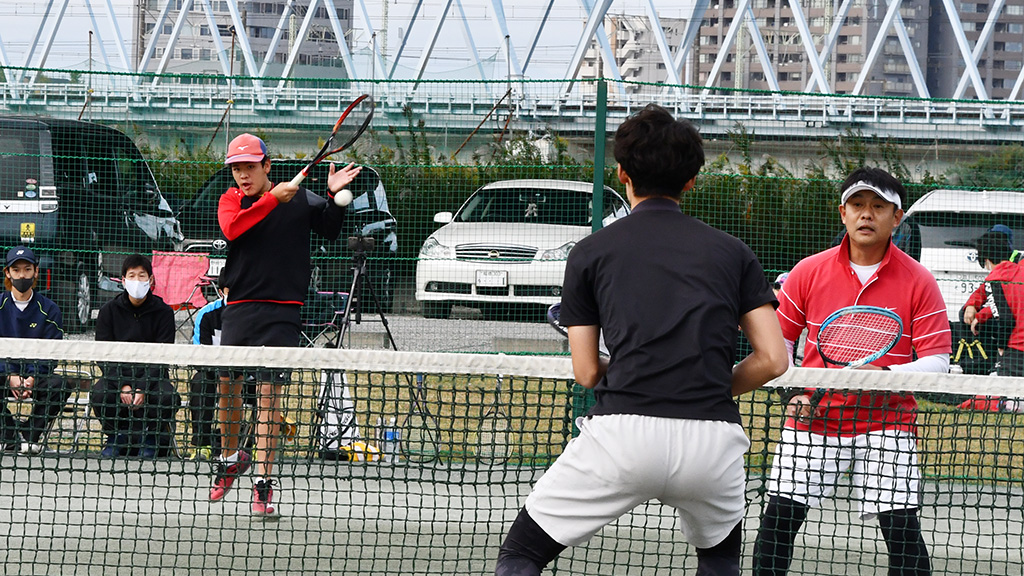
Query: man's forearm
x,y
754,371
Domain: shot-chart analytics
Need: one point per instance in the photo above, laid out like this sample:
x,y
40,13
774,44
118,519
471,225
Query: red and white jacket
x,y
823,283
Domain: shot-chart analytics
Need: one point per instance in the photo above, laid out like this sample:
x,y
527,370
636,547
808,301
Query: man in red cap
x,y
268,228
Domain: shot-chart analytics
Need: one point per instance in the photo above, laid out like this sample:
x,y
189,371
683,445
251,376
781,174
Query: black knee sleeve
x,y
773,549
527,548
908,554
722,559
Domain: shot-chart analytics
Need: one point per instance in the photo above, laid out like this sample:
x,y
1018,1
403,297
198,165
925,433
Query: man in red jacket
x,y
1000,297
268,228
871,436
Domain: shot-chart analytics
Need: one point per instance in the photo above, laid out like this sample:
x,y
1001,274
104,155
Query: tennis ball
x,y
343,197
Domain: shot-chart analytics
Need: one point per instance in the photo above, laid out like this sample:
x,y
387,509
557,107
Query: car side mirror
x,y
142,200
442,218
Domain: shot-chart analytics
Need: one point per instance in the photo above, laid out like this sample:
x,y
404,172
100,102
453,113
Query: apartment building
x,y
890,74
637,56
195,50
1000,61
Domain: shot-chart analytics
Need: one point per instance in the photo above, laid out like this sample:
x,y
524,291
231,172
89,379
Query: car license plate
x,y
216,265
492,278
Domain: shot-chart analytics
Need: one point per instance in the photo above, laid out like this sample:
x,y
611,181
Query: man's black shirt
x,y
668,291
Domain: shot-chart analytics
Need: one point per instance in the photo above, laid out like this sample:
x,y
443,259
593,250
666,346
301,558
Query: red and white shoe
x,y
227,474
262,499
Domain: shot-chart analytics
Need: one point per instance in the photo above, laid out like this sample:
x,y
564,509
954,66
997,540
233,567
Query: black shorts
x,y
261,324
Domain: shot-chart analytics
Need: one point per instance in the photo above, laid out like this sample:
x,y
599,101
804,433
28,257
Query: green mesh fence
x,y
470,232
147,172
363,487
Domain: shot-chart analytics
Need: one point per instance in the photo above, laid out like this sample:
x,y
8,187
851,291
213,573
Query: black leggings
x,y
49,395
528,549
773,549
155,415
202,405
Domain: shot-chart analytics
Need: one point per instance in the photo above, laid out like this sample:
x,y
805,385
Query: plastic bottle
x,y
390,440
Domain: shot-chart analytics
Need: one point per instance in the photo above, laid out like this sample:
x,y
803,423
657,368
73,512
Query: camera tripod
x,y
333,396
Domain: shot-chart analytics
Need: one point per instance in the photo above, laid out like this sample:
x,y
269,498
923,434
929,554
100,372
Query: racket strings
x,y
349,127
856,336
352,125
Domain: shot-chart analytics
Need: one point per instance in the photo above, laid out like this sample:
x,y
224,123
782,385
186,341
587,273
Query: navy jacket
x,y
41,320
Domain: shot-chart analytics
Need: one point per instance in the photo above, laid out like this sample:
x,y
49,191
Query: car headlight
x,y
560,253
434,249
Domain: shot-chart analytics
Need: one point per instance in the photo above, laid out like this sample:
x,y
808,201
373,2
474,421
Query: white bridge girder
x,y
677,60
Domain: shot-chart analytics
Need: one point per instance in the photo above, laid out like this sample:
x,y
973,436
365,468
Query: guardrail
x,y
453,106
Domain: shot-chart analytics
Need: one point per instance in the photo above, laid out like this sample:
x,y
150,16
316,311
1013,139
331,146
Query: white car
x,y
507,245
940,229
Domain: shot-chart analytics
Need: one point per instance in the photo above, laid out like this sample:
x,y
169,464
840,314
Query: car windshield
x,y
960,230
19,164
531,206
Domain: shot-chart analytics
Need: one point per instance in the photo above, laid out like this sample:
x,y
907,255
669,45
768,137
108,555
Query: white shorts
x,y
883,469
622,460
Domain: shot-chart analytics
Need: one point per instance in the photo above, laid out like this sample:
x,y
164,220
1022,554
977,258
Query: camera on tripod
x,y
335,410
361,244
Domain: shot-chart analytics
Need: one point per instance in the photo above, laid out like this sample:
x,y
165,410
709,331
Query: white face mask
x,y
136,288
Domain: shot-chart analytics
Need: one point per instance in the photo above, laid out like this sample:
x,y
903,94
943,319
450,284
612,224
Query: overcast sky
x,y
19,22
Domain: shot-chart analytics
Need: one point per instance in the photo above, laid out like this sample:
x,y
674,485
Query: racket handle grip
x,y
298,178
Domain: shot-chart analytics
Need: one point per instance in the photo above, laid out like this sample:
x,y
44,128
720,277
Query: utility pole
x,y
384,32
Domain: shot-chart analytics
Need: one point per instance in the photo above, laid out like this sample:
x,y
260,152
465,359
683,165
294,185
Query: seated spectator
x,y
135,403
202,399
24,313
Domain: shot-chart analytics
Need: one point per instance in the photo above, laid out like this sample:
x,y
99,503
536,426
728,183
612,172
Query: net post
x,y
583,398
600,111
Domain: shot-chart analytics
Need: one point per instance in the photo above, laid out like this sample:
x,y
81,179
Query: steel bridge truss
x,y
593,32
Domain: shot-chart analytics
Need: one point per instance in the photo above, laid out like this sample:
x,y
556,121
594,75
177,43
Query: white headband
x,y
887,195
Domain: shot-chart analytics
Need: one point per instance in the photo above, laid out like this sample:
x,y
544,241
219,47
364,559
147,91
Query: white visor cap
x,y
888,195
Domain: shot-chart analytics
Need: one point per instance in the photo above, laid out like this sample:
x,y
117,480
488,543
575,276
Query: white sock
x,y
232,458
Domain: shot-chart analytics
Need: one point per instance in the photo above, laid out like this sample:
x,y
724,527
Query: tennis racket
x,y
419,438
854,336
494,436
349,127
554,312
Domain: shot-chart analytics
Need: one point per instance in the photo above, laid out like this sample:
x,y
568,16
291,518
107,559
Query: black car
x,y
332,261
81,196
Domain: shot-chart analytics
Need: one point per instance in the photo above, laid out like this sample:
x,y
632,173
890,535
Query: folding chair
x,y
69,430
322,317
180,281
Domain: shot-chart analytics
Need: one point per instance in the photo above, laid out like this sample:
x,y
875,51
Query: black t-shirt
x,y
668,291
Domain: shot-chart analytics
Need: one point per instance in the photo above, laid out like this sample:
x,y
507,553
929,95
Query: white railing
x,y
541,103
